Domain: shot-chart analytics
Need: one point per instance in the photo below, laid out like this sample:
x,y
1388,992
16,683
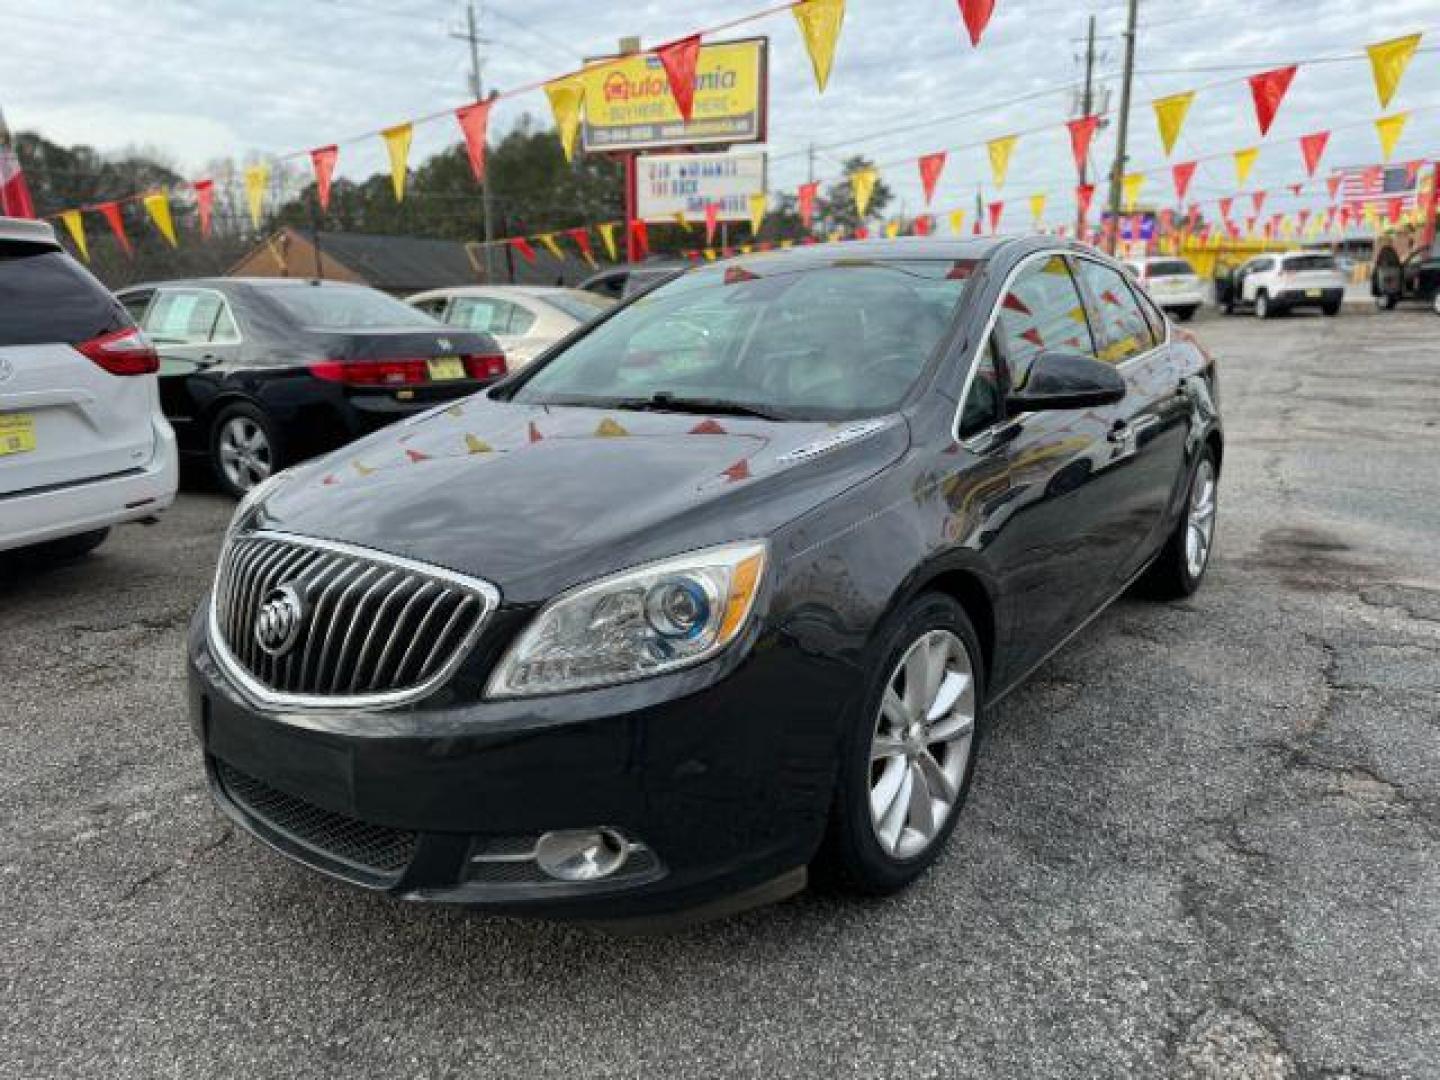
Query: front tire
x,y
1180,567
1263,310
1386,301
1185,314
907,757
243,448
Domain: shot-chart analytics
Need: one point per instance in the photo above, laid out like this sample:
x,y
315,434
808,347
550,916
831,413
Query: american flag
x,y
1362,184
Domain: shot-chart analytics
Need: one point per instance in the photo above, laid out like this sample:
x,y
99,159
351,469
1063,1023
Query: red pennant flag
x,y
1295,189
205,204
931,166
712,221
923,225
110,211
1268,88
708,427
1082,131
534,433
1194,214
1333,183
1182,173
1167,221
1396,208
1304,216
996,209
976,14
679,59
1312,148
582,241
520,244
1412,172
474,120
1258,199
323,158
1225,205
1084,193
862,233
641,236
1250,223
807,202
739,471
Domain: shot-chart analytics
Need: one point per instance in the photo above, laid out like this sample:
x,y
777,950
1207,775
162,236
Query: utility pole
x,y
1117,173
810,154
1087,108
472,36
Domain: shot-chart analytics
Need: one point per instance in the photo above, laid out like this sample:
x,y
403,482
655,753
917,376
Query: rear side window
x,y
1121,330
1171,268
46,296
185,317
1042,312
1301,263
488,314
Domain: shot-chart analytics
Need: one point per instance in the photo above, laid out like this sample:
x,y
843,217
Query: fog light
x,y
581,854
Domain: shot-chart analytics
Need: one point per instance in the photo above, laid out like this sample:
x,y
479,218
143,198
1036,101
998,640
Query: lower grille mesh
x,y
376,848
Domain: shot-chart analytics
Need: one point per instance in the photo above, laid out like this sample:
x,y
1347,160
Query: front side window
x,y
1041,312
1120,329
841,339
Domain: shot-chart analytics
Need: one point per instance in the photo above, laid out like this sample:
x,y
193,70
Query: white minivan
x,y
83,443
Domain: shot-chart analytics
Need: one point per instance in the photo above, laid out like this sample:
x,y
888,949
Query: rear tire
x,y
1386,301
243,448
1177,572
918,723
1185,314
1331,310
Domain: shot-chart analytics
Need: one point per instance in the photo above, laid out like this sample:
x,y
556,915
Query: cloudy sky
x,y
204,79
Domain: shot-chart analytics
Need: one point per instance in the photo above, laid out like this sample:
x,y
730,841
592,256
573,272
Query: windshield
x,y
1170,268
1300,263
832,341
330,307
583,306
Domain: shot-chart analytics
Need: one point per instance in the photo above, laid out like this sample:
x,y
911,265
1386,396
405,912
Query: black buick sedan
x,y
721,591
260,373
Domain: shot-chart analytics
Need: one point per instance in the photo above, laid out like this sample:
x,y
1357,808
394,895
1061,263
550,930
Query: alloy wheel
x,y
244,452
922,744
1200,525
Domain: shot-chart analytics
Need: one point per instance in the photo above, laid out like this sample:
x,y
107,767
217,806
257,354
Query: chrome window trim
x,y
486,593
978,441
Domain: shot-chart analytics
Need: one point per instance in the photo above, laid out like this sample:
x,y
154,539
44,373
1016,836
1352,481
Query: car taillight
x,y
485,366
122,352
372,372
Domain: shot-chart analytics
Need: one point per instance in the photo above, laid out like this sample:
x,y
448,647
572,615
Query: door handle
x,y
1121,433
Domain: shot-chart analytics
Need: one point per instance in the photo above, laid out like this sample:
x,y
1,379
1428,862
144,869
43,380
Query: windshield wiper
x,y
664,401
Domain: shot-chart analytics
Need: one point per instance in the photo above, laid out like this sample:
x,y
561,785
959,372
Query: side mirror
x,y
1061,380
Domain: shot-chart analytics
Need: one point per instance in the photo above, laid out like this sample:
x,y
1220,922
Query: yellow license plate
x,y
447,367
17,433
1313,294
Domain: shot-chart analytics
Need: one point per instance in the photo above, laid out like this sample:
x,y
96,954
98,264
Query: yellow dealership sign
x,y
629,106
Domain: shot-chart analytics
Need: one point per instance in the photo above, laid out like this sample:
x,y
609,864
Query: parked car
x,y
83,443
617,282
525,320
1417,277
258,373
1274,284
1173,284
726,584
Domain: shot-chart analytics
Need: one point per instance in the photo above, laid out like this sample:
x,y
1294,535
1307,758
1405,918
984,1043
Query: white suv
x,y
83,444
1276,283
1172,283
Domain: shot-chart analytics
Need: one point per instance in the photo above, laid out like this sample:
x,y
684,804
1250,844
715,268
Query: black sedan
x,y
259,373
722,590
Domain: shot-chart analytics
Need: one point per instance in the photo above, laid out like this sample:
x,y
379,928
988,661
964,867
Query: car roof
x,y
908,247
223,283
24,230
538,291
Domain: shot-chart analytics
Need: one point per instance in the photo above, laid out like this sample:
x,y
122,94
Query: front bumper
x,y
724,793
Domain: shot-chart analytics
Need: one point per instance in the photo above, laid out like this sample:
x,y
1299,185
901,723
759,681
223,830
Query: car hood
x,y
536,499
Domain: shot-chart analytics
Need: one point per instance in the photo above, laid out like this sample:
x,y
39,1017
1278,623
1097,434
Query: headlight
x,y
632,625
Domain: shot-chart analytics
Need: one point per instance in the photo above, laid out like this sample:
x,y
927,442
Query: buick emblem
x,y
281,616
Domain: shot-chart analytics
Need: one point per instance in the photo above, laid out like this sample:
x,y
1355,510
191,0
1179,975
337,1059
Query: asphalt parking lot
x,y
1203,842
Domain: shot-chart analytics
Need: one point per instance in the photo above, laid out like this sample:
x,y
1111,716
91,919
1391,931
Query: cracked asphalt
x,y
1203,842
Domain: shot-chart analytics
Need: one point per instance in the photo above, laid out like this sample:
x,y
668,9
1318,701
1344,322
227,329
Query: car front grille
x,y
314,623
374,848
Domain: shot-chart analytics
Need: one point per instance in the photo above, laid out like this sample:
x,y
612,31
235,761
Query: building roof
x,y
399,263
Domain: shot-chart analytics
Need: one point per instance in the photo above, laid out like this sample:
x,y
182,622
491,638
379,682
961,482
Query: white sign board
x,y
669,184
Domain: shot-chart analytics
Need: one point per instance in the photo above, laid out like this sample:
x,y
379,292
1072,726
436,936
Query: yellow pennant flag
x,y
745,249
1130,189
257,178
892,228
820,27
157,205
709,254
548,240
1388,61
607,236
566,97
1244,162
75,225
957,221
1170,115
862,183
786,245
1390,128
758,203
1000,151
1037,207
397,145
682,221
